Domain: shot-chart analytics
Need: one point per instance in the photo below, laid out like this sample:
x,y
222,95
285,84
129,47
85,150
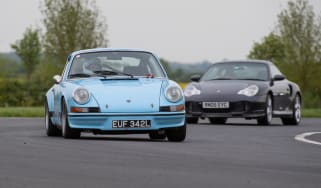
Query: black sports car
x,y
251,89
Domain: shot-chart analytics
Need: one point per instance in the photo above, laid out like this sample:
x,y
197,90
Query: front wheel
x,y
296,113
51,129
176,134
267,119
67,132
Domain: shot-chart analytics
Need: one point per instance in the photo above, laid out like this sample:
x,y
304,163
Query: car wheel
x,y
191,120
67,132
296,113
217,120
266,120
176,134
157,135
51,129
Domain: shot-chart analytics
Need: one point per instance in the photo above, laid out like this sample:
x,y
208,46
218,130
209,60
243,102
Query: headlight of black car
x,y
250,91
191,90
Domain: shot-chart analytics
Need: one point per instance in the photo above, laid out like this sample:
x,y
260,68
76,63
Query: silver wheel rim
x,y
269,109
297,109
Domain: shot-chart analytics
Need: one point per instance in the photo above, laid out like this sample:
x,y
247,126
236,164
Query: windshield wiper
x,y
220,79
112,72
255,79
80,75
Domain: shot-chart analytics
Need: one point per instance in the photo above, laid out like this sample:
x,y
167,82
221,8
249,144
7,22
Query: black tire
x,y
296,113
267,119
67,132
217,121
156,135
191,120
176,134
51,129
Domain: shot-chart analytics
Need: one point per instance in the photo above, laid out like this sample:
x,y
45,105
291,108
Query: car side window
x,y
274,71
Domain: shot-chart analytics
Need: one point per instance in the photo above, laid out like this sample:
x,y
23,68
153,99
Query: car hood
x,y
227,87
125,95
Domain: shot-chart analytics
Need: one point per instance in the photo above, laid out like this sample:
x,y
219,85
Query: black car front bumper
x,y
243,109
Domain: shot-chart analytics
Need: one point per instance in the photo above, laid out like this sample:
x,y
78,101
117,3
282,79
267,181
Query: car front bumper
x,y
242,109
103,121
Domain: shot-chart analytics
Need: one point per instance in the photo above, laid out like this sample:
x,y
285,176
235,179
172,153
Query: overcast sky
x,y
177,30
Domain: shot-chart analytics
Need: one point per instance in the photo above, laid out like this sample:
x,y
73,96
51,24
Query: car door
x,y
280,89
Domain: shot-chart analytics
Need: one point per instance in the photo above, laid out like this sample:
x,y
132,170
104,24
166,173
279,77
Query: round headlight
x,y
173,94
81,95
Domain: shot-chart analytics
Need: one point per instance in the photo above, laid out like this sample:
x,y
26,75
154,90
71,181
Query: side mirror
x,y
278,77
57,79
195,78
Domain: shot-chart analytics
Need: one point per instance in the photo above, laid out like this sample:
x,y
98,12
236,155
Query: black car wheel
x,y
191,120
51,130
296,113
67,132
266,120
157,135
217,121
176,134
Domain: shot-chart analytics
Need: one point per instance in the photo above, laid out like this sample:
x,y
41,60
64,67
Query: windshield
x,y
115,63
237,71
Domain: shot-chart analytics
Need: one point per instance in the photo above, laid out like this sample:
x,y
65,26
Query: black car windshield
x,y
237,71
115,63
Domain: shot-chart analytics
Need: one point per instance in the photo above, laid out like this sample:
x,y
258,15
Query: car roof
x,y
245,61
108,50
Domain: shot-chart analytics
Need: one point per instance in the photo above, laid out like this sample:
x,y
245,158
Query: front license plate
x,y
131,124
216,105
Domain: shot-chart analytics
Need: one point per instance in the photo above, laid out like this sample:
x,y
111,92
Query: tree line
x,y
294,46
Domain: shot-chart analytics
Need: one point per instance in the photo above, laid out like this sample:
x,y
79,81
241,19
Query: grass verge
x,y
312,112
22,112
39,112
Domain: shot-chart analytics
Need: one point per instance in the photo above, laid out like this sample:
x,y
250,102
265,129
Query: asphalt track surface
x,y
239,154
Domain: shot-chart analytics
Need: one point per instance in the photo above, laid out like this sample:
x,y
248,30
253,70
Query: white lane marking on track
x,y
301,138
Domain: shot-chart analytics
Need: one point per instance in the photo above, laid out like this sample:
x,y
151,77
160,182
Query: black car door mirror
x,y
196,78
278,77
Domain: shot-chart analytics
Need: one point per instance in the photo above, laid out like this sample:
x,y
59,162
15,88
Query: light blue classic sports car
x,y
115,91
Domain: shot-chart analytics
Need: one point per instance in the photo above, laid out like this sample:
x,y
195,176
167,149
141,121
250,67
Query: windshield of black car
x,y
115,63
237,71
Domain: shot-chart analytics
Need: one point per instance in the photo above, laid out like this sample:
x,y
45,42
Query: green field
x,y
22,111
39,112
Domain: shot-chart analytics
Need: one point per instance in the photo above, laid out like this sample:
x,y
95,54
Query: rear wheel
x,y
266,120
176,134
192,120
67,132
157,135
51,129
217,121
296,113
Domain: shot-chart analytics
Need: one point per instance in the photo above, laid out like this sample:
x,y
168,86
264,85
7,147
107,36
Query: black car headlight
x,y
250,91
81,95
173,94
191,90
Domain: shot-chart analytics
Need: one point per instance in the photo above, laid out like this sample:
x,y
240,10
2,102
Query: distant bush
x,y
18,92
